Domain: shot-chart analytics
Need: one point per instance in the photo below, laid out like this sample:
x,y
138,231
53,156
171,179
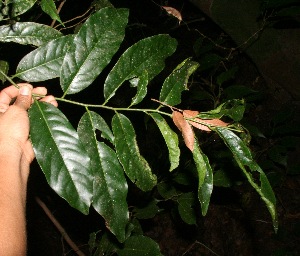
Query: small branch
x,y
58,11
197,242
111,108
76,18
166,105
59,227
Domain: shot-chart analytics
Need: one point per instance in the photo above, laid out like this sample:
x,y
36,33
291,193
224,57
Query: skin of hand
x,y
16,154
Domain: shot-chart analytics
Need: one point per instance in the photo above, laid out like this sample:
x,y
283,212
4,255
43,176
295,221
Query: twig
x,y
75,18
59,227
58,11
166,105
197,242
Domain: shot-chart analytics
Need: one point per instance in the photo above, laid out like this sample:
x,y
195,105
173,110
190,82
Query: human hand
x,y
14,121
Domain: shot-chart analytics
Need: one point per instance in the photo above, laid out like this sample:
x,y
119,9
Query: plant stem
x,y
86,105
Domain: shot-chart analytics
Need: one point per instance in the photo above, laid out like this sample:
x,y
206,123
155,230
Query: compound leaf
x,y
110,186
28,33
61,155
135,166
92,49
177,82
170,138
146,55
44,62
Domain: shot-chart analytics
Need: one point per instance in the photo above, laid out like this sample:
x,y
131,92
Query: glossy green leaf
x,y
186,201
28,33
135,166
4,66
141,84
244,159
205,177
92,49
44,62
109,186
170,138
21,6
177,82
61,155
139,245
147,55
48,6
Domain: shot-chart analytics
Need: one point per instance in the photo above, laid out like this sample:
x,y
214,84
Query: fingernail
x,y
25,90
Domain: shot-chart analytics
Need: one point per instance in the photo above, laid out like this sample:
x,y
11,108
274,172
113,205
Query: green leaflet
x,y
135,166
61,155
244,159
92,49
44,62
110,186
139,245
141,84
177,82
185,208
21,6
28,33
146,55
170,138
48,6
205,177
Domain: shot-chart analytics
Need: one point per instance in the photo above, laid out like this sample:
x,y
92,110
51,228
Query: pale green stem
x,y
86,105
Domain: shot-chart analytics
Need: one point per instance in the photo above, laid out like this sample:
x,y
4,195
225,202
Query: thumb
x,y
24,98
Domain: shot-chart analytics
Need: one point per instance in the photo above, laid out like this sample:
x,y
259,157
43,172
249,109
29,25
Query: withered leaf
x,y
174,12
200,123
185,128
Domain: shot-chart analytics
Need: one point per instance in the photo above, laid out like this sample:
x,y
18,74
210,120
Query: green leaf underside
x,y
48,6
135,166
185,208
61,155
92,49
177,82
205,177
44,62
28,33
21,6
146,55
170,138
139,245
244,159
109,186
